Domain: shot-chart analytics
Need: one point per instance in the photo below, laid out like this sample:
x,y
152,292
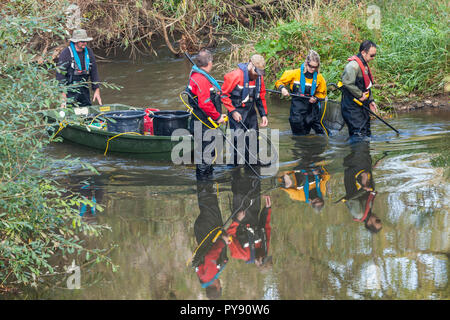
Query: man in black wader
x,y
250,230
357,81
360,186
76,64
305,113
204,98
242,89
211,255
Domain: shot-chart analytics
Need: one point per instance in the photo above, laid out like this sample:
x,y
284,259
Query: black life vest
x,y
243,96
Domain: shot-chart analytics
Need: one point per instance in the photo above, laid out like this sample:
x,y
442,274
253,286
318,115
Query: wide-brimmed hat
x,y
80,35
259,63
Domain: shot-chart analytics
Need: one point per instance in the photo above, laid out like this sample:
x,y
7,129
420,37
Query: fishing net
x,y
331,115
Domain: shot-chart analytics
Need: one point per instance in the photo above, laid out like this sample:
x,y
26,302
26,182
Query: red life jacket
x,y
368,206
367,76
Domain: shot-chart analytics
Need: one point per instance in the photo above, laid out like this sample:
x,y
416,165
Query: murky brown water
x,y
316,253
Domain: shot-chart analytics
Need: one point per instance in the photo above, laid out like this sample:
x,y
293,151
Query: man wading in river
x,y
77,64
357,81
360,186
243,88
305,113
204,98
210,257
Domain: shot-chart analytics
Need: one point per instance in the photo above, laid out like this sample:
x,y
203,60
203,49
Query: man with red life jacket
x,y
360,186
305,113
204,97
357,81
77,65
211,255
250,230
243,88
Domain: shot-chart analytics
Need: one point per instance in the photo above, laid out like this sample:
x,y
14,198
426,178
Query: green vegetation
x,y
412,53
39,220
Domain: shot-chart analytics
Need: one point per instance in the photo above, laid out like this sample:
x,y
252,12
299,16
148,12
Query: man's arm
x,y
229,83
94,71
261,103
63,66
349,77
201,88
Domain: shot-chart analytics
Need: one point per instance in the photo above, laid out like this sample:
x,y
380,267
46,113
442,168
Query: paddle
x,y
295,95
339,86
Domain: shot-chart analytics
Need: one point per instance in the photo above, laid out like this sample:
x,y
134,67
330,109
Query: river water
x,y
313,253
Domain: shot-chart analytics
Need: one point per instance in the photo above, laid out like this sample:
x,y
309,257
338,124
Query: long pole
x,y
366,108
296,95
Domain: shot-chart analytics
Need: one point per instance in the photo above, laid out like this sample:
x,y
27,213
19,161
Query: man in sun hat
x,y
76,64
243,88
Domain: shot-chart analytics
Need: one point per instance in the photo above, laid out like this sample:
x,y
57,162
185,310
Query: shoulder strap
x,y
369,202
76,58
367,77
207,76
303,81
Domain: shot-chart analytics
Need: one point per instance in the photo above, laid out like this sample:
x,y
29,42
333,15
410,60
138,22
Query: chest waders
x,y
79,77
305,116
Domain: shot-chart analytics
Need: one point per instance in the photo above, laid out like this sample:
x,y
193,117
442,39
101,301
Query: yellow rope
x,y
323,115
96,117
192,111
62,125
117,135
195,251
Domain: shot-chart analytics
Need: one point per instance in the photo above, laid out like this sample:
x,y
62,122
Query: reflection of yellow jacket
x,y
297,193
292,77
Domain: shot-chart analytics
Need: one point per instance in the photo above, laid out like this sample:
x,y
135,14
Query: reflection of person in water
x,y
308,186
95,195
211,255
250,229
360,186
308,180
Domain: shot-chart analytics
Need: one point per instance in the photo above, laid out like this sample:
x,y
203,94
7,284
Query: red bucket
x,y
148,121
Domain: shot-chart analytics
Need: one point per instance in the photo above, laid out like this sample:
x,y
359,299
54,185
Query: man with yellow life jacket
x,y
357,81
204,97
308,186
242,90
308,82
77,65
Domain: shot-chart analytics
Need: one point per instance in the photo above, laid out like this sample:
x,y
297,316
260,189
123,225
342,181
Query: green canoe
x,y
83,131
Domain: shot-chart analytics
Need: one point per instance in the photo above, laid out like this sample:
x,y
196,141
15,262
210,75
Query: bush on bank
x,y
39,222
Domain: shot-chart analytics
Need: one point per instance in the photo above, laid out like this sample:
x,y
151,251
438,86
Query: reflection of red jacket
x,y
201,87
236,78
236,249
208,269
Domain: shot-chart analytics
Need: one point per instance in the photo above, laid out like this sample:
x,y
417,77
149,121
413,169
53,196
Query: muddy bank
x,y
437,102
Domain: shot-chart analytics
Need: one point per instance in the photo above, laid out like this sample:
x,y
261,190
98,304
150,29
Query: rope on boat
x,y
62,125
117,135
